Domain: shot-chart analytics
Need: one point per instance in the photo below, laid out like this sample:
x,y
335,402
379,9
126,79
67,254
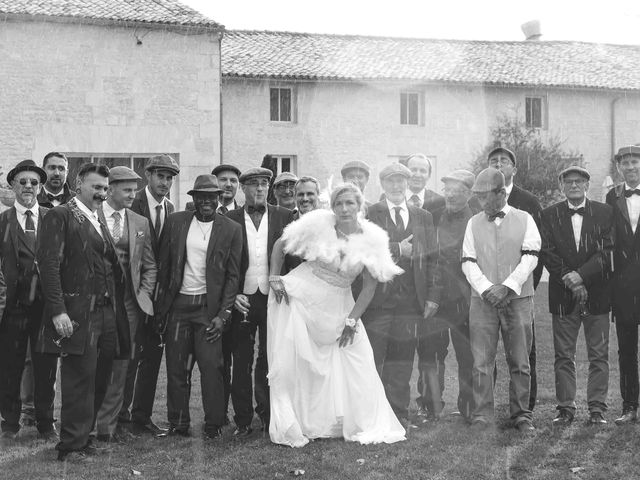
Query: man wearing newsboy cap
x,y
198,278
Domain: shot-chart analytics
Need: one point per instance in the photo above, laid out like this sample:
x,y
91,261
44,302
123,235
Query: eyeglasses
x,y
579,182
258,183
282,187
24,181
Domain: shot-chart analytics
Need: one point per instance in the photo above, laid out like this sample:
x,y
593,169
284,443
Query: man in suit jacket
x,y
131,237
55,191
418,195
398,306
198,282
577,242
80,276
357,172
142,376
262,225
19,234
504,160
625,200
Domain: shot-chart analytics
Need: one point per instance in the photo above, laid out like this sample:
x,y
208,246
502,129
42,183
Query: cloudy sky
x,y
611,21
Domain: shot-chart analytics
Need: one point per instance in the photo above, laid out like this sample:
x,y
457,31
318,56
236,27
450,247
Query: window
x,y
533,114
280,163
409,108
281,104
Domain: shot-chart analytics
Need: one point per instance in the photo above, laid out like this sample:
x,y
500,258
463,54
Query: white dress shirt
x,y
404,212
519,275
576,223
153,203
633,206
92,216
22,217
508,190
420,196
194,278
108,211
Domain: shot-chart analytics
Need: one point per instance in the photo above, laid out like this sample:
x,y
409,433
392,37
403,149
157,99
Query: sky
x,y
611,21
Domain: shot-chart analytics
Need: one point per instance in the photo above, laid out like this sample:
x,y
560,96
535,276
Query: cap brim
x,y
168,169
205,190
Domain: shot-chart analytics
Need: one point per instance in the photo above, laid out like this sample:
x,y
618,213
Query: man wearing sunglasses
x,y
20,233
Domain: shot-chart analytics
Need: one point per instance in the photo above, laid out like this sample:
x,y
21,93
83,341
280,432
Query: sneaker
x,y
596,418
629,415
564,418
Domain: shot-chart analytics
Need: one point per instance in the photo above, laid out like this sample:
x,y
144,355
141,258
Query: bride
x,y
322,377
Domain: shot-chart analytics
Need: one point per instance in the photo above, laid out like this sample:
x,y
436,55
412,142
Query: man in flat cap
x,y
398,306
418,194
142,378
453,312
503,159
625,200
198,279
500,251
356,172
577,243
20,229
262,225
228,179
131,237
284,190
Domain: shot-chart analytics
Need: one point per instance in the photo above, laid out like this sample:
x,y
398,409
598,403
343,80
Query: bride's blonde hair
x,y
346,188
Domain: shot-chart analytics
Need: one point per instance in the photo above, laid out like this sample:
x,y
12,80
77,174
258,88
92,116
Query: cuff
x,y
225,315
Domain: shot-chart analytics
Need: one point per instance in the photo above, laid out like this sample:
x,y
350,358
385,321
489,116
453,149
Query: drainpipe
x,y
613,125
220,35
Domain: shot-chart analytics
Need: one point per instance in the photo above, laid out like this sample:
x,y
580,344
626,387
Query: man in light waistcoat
x,y
500,251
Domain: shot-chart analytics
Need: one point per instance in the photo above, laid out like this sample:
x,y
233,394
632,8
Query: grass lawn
x,y
443,450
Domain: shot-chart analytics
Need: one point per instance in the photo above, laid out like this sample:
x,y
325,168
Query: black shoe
x,y
596,418
79,456
174,432
92,449
242,431
213,433
564,418
8,436
629,415
149,427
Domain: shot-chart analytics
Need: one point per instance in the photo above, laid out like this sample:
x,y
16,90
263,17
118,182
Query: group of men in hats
x,y
104,278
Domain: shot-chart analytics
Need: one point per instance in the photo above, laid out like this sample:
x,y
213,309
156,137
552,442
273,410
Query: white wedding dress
x,y
318,389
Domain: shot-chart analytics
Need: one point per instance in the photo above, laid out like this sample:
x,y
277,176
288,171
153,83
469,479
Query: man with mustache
x,y
228,179
82,322
284,190
55,191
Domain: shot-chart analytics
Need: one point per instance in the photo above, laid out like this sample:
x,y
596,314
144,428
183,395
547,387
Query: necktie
x,y
499,214
223,210
53,197
30,229
415,201
579,211
399,221
117,227
256,209
158,226
628,193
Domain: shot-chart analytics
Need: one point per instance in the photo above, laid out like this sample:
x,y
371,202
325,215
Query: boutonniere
x,y
139,234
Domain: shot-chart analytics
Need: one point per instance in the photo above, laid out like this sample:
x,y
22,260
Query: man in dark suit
x,y
142,377
398,306
284,189
228,179
577,242
55,191
131,237
262,225
80,276
199,276
625,200
19,234
418,195
504,160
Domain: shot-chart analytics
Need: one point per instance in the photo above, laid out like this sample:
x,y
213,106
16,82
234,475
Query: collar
x,y
108,210
21,210
61,192
509,189
88,213
506,209
391,206
420,194
153,203
627,187
583,204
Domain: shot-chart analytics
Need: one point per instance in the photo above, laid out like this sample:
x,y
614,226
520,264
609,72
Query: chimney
x,y
532,30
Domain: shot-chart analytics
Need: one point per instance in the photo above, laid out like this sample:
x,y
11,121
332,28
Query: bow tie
x,y
53,197
500,214
628,193
256,209
574,211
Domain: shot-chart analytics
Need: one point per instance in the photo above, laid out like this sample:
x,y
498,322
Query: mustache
x,y
97,196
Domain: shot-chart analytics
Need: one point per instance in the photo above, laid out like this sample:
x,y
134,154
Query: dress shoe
x,y
149,427
92,449
74,457
406,423
564,418
596,418
48,435
479,424
174,432
213,433
242,431
525,426
629,415
422,413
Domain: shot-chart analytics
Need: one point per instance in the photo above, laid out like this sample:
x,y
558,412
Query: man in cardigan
x,y
577,241
500,251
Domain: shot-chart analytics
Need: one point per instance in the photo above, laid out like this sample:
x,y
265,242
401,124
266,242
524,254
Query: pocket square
x,y
139,234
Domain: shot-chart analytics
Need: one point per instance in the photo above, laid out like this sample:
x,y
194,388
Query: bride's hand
x,y
346,338
278,288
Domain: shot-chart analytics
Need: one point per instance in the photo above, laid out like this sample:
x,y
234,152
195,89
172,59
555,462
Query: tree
x,y
539,160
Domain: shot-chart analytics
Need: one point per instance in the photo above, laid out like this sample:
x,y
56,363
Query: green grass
x,y
443,450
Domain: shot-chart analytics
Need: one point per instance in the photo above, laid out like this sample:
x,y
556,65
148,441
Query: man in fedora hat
x,y
19,325
577,243
500,251
198,278
151,202
131,238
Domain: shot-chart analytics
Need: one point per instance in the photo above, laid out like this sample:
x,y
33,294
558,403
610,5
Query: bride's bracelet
x,y
351,323
275,278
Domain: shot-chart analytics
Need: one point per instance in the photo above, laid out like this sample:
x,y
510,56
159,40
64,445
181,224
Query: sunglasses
x,y
24,181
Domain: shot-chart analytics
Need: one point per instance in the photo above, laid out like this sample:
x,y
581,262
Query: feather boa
x,y
313,237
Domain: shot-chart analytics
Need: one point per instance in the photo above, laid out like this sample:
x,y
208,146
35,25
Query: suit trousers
x,y
17,331
485,325
627,332
27,388
392,335
187,345
565,337
85,379
243,341
433,343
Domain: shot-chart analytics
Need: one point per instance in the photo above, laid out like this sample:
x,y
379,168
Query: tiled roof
x,y
147,11
531,63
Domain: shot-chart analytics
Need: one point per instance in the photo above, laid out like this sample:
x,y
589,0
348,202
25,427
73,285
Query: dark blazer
x,y
66,276
223,265
592,262
279,218
67,194
11,236
141,207
626,259
527,201
424,256
432,201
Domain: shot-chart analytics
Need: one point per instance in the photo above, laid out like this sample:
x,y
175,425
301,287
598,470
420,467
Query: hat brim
x,y
168,169
41,173
246,179
205,190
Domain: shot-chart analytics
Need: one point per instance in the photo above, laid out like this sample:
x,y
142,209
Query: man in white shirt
x,y
500,251
418,194
228,179
55,191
